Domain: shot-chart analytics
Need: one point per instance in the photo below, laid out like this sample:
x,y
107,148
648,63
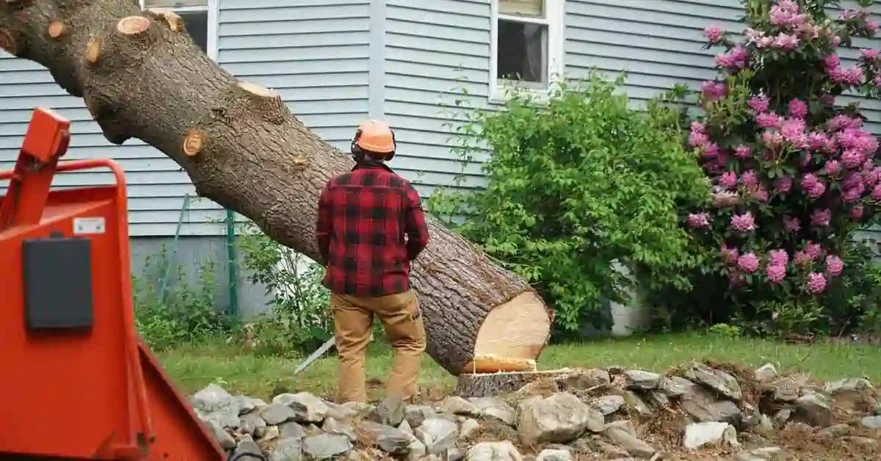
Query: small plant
x,y
182,314
299,320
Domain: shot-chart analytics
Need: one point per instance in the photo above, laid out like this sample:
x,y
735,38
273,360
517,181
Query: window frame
x,y
212,10
554,20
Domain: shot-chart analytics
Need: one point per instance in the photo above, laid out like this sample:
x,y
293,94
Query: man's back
x,y
370,227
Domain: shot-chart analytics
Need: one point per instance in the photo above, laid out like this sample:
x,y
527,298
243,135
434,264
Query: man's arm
x,y
324,224
417,230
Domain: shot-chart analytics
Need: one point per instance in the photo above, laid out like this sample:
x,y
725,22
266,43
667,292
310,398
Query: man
x,y
363,218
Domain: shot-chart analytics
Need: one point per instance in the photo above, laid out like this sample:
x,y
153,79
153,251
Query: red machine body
x,y
76,380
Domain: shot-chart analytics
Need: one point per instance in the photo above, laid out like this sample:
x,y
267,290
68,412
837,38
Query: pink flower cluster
x,y
737,58
852,76
743,222
698,138
713,33
698,220
714,91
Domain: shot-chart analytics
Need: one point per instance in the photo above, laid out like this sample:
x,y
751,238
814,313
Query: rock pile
x,y
694,412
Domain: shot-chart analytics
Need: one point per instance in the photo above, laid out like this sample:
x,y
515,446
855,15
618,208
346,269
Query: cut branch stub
x,y
56,29
133,26
8,42
263,101
194,142
175,22
93,50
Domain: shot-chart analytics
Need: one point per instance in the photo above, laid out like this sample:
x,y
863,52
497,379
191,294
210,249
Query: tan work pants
x,y
400,317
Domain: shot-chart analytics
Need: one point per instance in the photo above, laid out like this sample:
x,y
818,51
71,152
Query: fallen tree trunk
x,y
142,77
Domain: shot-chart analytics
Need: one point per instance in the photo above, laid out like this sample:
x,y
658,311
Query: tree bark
x,y
143,77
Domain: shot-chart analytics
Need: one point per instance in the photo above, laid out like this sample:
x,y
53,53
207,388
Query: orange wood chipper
x,y
76,381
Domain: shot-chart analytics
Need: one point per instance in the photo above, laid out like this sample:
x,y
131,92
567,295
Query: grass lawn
x,y
241,372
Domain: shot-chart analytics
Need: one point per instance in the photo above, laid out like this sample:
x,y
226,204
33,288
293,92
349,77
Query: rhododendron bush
x,y
793,168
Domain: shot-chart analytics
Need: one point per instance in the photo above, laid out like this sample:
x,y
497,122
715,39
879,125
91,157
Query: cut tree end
x,y
56,29
194,142
494,384
512,336
257,90
93,50
133,25
175,22
8,43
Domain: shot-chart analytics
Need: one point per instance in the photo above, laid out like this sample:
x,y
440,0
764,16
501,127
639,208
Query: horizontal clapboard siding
x,y
660,43
313,52
435,50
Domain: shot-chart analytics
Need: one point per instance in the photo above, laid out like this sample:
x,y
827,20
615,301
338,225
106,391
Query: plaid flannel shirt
x,y
363,217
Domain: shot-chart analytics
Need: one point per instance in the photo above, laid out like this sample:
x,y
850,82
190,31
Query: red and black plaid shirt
x,y
363,217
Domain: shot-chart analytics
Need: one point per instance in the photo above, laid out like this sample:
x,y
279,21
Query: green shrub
x,y
185,314
578,183
299,320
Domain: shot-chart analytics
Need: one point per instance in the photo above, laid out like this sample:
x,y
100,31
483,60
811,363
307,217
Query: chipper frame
x,y
76,381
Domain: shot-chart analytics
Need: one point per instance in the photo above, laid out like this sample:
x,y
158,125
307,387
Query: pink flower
x,y
869,55
785,13
783,184
759,193
802,258
808,181
698,220
836,40
786,42
853,194
832,167
772,139
852,158
725,198
728,179
736,58
797,108
778,258
713,33
816,191
873,176
729,255
841,122
821,218
831,62
877,81
834,265
759,104
876,192
872,25
816,283
710,150
749,178
850,76
696,139
748,263
698,127
714,91
793,130
791,224
742,151
743,223
768,120
857,212
851,180
775,273
813,250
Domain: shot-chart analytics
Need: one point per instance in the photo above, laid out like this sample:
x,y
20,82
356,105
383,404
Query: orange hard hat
x,y
375,136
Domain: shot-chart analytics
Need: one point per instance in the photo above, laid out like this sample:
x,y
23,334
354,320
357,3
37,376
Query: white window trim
x,y
555,17
212,10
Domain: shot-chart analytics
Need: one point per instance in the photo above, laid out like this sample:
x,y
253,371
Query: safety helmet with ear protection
x,y
376,138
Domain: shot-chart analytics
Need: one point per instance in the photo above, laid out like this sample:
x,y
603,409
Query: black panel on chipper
x,y
57,276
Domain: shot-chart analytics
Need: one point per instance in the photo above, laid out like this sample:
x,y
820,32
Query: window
x,y
199,19
527,44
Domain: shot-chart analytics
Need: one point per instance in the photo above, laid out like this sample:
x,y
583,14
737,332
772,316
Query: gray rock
x,y
391,410
223,419
349,410
608,404
271,433
766,373
287,450
641,380
456,405
658,399
470,427
765,425
249,404
782,416
799,426
675,386
760,454
332,426
213,398
864,442
252,424
853,394
703,406
247,446
491,407
417,450
389,439
455,454
813,409
877,410
835,431
848,385
554,455
416,414
437,434
717,380
561,418
613,451
635,404
623,434
493,451
698,435
787,389
307,407
291,430
872,422
277,413
223,438
584,380
326,446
